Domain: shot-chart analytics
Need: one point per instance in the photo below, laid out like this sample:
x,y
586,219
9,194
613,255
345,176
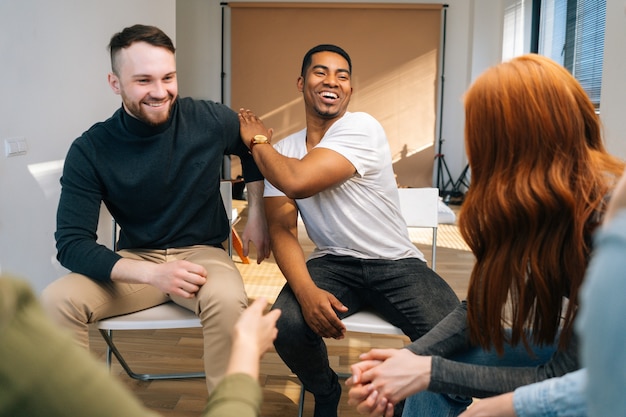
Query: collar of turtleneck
x,y
143,129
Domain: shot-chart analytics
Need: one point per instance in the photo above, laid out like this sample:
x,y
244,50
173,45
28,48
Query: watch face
x,y
260,139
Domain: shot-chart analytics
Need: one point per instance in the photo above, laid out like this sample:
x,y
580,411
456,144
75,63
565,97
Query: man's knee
x,y
225,305
53,296
64,299
293,328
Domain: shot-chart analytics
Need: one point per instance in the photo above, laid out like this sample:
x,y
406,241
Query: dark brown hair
x,y
138,33
308,57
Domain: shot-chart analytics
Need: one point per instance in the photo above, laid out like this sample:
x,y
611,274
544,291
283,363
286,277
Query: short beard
x,y
326,114
139,113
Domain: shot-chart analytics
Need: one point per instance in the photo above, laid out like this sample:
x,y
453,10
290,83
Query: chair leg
x,y
434,248
107,335
109,350
301,403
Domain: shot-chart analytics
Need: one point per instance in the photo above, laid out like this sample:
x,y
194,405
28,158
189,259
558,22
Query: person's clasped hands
x,y
384,377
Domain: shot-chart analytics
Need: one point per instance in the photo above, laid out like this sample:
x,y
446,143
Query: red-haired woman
x,y
541,178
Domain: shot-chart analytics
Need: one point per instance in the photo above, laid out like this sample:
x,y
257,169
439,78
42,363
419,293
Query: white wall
x,y
198,49
54,82
613,99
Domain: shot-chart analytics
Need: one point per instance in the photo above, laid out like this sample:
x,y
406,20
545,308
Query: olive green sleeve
x,y
44,373
236,395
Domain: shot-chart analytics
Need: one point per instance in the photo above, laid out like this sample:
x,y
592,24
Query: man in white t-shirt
x,y
337,173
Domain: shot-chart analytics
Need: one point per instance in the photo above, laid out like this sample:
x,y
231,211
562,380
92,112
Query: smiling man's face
x,y
326,85
146,80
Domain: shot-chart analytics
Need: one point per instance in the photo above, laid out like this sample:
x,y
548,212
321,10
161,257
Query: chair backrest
x,y
420,208
226,190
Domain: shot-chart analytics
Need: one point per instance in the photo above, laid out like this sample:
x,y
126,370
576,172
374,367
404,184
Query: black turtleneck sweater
x,y
161,184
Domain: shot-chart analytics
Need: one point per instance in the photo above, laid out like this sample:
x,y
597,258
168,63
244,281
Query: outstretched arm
x,y
253,335
239,393
297,178
561,396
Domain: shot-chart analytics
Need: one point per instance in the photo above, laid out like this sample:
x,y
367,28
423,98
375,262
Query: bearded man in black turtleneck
x,y
156,166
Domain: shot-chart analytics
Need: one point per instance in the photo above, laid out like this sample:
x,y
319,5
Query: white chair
x,y
420,208
164,316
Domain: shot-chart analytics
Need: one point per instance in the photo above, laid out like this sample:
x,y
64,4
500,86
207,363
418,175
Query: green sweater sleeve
x,y
236,395
44,373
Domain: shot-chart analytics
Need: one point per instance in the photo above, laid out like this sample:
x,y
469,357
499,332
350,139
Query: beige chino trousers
x,y
74,301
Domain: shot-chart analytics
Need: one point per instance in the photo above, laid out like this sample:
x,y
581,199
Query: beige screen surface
x,y
395,54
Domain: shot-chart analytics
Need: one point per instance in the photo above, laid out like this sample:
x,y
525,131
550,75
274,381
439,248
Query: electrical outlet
x,y
15,147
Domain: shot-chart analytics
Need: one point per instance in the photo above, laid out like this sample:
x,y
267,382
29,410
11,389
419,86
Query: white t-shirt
x,y
360,217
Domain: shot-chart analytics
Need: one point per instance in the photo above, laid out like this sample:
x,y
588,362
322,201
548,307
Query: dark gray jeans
x,y
406,292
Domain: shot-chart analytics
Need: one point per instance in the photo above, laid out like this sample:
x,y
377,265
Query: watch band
x,y
260,141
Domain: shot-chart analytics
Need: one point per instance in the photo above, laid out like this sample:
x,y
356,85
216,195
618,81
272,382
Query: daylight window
x,y
571,32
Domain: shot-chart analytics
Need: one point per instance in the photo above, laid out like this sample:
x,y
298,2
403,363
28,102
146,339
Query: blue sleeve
x,y
554,397
601,322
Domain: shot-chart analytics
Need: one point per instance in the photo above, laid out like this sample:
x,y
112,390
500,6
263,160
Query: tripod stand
x,y
462,180
444,179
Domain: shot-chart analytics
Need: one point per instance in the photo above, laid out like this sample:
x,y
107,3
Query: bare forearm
x,y
296,177
291,261
132,271
244,358
178,277
255,198
253,335
280,170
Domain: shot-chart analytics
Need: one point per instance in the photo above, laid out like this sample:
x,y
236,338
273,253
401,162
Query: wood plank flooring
x,y
181,350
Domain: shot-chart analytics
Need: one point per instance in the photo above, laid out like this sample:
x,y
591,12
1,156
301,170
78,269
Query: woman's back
x,y
540,179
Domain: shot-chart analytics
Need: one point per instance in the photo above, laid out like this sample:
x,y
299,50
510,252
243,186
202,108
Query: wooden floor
x,y
181,350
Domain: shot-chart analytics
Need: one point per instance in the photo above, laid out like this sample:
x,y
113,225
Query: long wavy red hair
x,y
540,176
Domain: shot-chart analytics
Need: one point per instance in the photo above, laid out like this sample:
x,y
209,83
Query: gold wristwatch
x,y
257,140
